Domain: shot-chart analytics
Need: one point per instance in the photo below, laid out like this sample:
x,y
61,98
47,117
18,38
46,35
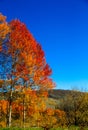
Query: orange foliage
x,y
4,29
31,63
4,105
49,111
29,71
59,113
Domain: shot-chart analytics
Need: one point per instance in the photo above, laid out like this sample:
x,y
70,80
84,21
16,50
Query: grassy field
x,y
71,128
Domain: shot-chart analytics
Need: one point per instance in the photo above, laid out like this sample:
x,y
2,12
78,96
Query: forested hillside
x,y
73,103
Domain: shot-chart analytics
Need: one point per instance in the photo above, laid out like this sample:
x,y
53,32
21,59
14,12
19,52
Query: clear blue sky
x,y
61,27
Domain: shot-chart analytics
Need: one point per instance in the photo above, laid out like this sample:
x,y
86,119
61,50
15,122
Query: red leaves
x,y
17,107
30,56
47,70
28,71
21,36
28,59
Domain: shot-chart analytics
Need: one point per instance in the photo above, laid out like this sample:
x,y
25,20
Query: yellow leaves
x,y
2,18
2,124
4,28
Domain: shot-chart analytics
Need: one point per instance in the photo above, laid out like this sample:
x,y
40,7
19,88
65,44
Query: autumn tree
x,y
25,65
30,64
50,118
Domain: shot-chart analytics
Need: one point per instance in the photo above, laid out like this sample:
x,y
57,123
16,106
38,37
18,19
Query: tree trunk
x,y
10,110
24,113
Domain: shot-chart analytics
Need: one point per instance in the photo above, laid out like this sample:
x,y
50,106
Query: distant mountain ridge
x,y
60,93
